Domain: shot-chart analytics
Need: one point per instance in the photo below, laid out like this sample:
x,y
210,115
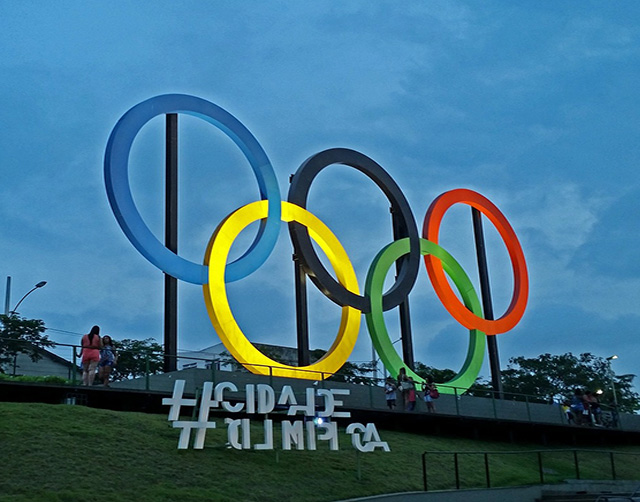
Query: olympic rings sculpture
x,y
304,227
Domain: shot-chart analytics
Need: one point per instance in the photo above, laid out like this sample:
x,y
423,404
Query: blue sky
x,y
532,104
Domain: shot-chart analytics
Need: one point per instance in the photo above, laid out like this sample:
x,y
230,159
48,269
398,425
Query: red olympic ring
x,y
456,308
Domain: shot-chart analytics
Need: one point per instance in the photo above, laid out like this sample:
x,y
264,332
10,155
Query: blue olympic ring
x,y
116,163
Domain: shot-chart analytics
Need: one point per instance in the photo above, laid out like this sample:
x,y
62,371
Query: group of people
x,y
583,409
98,354
406,386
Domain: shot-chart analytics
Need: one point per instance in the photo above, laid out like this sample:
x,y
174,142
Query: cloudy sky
x,y
533,104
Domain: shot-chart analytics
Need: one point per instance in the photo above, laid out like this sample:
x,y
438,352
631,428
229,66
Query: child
x,y
390,393
108,358
430,393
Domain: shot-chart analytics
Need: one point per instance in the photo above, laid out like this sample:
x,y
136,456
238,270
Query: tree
x,y
441,376
438,375
349,372
136,358
19,335
555,377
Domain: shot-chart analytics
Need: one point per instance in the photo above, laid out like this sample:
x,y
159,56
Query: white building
x,y
49,364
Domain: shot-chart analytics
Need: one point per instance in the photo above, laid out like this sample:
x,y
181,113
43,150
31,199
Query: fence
x,y
365,392
476,469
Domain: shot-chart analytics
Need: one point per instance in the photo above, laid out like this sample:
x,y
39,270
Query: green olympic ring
x,y
377,326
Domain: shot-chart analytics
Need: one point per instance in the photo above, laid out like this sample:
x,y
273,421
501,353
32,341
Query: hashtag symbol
x,y
201,425
177,401
185,433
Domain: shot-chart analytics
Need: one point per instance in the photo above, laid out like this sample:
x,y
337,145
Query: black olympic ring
x,y
311,264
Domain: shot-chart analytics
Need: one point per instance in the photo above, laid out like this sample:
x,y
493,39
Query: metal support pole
x,y
486,469
74,369
424,470
403,309
374,363
613,466
483,270
456,470
171,242
147,371
302,315
540,469
493,403
612,375
7,296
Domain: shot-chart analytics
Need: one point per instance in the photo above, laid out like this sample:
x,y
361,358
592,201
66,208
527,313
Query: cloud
x,y
610,246
535,107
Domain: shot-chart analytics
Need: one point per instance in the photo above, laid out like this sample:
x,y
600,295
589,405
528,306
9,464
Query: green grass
x,y
69,453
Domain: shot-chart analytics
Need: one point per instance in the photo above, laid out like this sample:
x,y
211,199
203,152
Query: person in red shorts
x,y
91,346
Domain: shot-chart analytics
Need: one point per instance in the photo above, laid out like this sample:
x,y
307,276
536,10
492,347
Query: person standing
x,y
91,345
594,407
108,359
390,393
566,408
402,377
430,392
410,395
577,406
402,386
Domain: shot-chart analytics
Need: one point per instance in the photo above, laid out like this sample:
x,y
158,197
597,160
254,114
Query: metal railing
x,y
560,464
366,392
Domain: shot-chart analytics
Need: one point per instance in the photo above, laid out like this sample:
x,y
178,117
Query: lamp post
x,y
611,375
37,286
7,296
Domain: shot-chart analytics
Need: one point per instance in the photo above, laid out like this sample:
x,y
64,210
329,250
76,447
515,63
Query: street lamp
x,y
611,375
12,312
37,286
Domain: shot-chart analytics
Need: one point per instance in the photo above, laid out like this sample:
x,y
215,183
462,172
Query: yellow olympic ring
x,y
215,294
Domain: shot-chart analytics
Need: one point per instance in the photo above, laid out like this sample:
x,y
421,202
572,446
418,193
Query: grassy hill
x,y
71,453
